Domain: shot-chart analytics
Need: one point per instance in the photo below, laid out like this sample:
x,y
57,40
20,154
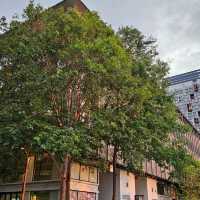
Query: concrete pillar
x,y
105,186
125,185
152,189
141,187
146,187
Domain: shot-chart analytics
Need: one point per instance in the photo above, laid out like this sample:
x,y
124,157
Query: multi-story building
x,y
90,183
87,181
186,90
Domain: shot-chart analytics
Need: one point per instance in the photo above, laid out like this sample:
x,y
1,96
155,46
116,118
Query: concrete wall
x,y
105,186
125,186
141,187
146,187
83,179
152,189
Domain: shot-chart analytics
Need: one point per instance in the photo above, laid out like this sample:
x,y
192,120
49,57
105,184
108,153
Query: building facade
x,y
88,182
43,182
186,91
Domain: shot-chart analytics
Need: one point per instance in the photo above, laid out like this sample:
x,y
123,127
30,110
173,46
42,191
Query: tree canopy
x,y
54,68
69,82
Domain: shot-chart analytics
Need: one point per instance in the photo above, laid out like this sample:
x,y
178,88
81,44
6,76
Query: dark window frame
x,y
138,197
189,107
40,166
4,195
196,87
192,96
88,178
196,120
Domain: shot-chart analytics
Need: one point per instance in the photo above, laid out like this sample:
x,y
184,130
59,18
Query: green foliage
x,y
158,119
137,116
67,82
188,180
11,158
54,66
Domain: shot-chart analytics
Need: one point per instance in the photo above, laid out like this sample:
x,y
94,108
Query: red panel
x,y
73,195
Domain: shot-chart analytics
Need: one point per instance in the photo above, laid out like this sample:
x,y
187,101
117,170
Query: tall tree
x,y
137,116
54,68
189,181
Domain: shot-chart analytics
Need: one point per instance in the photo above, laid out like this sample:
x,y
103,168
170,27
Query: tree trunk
x,y
114,162
24,183
68,179
65,179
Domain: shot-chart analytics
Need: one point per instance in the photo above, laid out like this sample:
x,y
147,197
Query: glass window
x,y
139,197
196,87
9,196
93,175
86,196
196,120
75,171
40,196
189,107
91,196
43,169
82,196
15,196
84,173
160,188
73,195
192,96
2,196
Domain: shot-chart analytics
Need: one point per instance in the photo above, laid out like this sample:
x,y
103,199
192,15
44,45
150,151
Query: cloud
x,y
178,34
175,24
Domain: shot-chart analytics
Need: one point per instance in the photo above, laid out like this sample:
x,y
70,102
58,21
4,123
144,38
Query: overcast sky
x,y
175,24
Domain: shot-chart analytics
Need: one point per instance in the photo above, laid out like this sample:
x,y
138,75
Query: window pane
x,y
7,196
73,195
93,175
84,173
160,188
2,196
75,171
91,196
43,169
33,197
17,196
14,196
82,196
40,196
189,107
86,196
